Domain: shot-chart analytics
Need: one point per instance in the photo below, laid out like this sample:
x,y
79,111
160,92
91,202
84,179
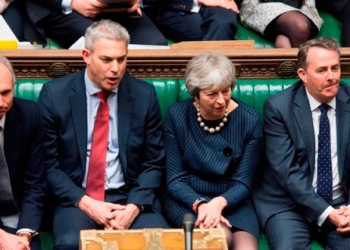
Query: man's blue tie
x,y
324,161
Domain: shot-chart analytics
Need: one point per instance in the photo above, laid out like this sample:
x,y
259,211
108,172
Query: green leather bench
x,y
331,27
252,92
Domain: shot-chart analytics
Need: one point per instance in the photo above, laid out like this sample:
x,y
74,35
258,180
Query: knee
x,y
301,29
67,242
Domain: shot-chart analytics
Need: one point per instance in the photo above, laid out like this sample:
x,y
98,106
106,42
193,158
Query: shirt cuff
x,y
66,9
33,232
195,6
320,220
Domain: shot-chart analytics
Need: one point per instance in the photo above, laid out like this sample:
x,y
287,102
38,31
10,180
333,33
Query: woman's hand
x,y
209,214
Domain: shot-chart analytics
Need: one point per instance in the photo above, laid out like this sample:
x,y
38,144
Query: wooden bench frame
x,y
164,64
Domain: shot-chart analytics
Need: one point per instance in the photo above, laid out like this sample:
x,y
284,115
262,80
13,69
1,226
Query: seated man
x,y
341,10
65,21
22,157
305,188
196,20
105,153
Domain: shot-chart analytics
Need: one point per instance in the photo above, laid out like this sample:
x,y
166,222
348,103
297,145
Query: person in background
x,y
22,157
66,21
212,144
192,20
105,154
341,10
304,191
13,14
287,25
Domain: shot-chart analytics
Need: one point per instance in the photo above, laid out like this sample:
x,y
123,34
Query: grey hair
x,y
105,29
4,61
209,70
320,42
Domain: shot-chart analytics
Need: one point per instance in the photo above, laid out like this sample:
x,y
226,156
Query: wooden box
x,y
151,239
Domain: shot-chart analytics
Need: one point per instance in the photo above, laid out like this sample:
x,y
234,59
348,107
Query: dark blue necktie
x,y
324,161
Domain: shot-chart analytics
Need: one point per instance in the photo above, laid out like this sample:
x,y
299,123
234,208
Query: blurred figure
x,y
192,20
286,25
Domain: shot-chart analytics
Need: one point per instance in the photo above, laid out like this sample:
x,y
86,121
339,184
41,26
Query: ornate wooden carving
x,y
250,63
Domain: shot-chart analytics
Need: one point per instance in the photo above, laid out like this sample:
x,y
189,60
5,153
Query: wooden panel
x,y
151,239
164,63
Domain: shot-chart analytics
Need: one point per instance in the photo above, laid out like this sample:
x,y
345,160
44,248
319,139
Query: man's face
x,y
322,74
106,65
6,90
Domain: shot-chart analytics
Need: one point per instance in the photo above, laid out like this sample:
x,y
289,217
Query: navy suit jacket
x,y
200,164
290,151
64,110
25,155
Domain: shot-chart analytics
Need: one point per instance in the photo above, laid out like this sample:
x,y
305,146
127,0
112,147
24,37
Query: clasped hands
x,y
109,215
209,214
91,8
341,219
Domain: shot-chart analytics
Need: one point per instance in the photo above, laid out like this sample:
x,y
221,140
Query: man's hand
x,y
209,214
13,242
101,212
344,228
124,218
227,4
88,8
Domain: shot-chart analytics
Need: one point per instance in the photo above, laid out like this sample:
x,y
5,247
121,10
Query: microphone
x,y
188,225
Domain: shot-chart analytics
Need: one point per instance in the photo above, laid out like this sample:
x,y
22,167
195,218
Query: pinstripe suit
x,y
200,164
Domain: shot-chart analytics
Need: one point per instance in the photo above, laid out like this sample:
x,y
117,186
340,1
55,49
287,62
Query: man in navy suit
x,y
66,21
289,198
22,168
341,10
134,161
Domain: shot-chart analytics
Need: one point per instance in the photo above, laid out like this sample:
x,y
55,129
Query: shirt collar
x,y
314,104
91,88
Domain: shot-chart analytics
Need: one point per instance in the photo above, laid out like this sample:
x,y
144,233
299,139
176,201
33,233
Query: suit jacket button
x,y
227,151
290,205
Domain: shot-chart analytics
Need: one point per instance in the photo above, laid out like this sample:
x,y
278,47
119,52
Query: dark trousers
x,y
68,221
14,17
290,230
341,10
34,244
67,29
211,23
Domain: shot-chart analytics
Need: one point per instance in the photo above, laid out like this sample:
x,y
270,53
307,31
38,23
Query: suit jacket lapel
x,y
343,121
125,111
12,140
303,117
79,115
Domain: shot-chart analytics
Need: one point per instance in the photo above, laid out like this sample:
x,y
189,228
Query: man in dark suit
x,y
290,198
133,160
66,21
341,10
195,20
22,183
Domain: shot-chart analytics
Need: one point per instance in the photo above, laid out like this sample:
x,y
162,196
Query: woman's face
x,y
214,102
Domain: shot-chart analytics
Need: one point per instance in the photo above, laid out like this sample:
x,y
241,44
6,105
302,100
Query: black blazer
x,y
63,107
25,155
290,151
